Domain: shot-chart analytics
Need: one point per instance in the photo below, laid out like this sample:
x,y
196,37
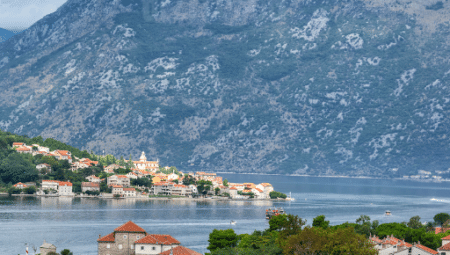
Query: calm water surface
x,y
75,224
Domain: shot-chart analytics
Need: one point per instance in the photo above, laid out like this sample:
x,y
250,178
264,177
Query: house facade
x,y
121,241
118,180
130,239
44,166
155,244
445,248
93,178
20,185
91,186
62,188
65,189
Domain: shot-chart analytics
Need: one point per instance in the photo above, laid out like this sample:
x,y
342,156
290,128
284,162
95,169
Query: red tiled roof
x,y
446,238
424,248
444,247
260,191
403,243
90,184
16,143
19,183
65,184
438,230
63,153
233,188
121,176
160,239
129,189
129,227
116,186
107,238
23,149
180,250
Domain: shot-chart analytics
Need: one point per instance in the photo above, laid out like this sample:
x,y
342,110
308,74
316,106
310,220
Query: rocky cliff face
x,y
292,86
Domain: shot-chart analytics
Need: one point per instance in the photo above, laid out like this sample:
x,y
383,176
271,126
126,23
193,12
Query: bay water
x,y
76,223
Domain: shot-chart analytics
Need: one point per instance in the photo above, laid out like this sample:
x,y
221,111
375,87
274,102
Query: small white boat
x,y
233,222
387,213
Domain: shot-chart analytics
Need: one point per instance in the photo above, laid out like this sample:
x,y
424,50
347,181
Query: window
x,y
137,237
142,248
108,246
124,236
132,246
120,247
153,248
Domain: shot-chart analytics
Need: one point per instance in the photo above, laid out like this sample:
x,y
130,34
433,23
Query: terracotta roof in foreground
x,y
129,227
158,239
107,238
444,247
446,238
424,248
180,250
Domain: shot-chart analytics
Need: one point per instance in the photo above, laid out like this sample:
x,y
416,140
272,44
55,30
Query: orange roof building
x,y
129,238
180,250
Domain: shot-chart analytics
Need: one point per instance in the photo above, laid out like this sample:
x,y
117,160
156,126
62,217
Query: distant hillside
x,y
5,34
325,87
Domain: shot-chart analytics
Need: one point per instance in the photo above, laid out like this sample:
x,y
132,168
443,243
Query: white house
x,y
129,192
445,248
117,189
93,178
44,166
155,244
132,175
119,180
417,249
172,176
50,184
65,189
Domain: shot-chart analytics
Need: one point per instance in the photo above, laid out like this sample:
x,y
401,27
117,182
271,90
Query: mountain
x,y
5,34
321,87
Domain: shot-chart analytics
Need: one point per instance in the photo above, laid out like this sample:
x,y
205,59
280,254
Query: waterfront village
x,y
138,179
128,179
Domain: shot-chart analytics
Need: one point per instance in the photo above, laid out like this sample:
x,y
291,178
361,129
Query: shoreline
x,y
344,176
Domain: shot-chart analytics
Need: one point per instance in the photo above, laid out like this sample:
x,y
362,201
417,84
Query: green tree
x,y
30,190
216,191
414,222
66,252
204,186
440,218
16,168
276,194
219,239
130,163
320,222
225,183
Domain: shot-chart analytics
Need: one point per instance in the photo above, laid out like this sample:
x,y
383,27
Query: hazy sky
x,y
21,14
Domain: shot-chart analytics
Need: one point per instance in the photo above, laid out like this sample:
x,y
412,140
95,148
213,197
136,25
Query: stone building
x,y
46,248
130,239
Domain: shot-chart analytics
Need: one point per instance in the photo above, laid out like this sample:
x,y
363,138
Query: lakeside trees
x,y
287,234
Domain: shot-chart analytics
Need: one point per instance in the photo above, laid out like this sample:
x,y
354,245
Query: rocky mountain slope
x,y
322,87
5,34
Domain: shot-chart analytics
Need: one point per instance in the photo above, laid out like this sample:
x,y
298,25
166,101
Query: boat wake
x,y
440,200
